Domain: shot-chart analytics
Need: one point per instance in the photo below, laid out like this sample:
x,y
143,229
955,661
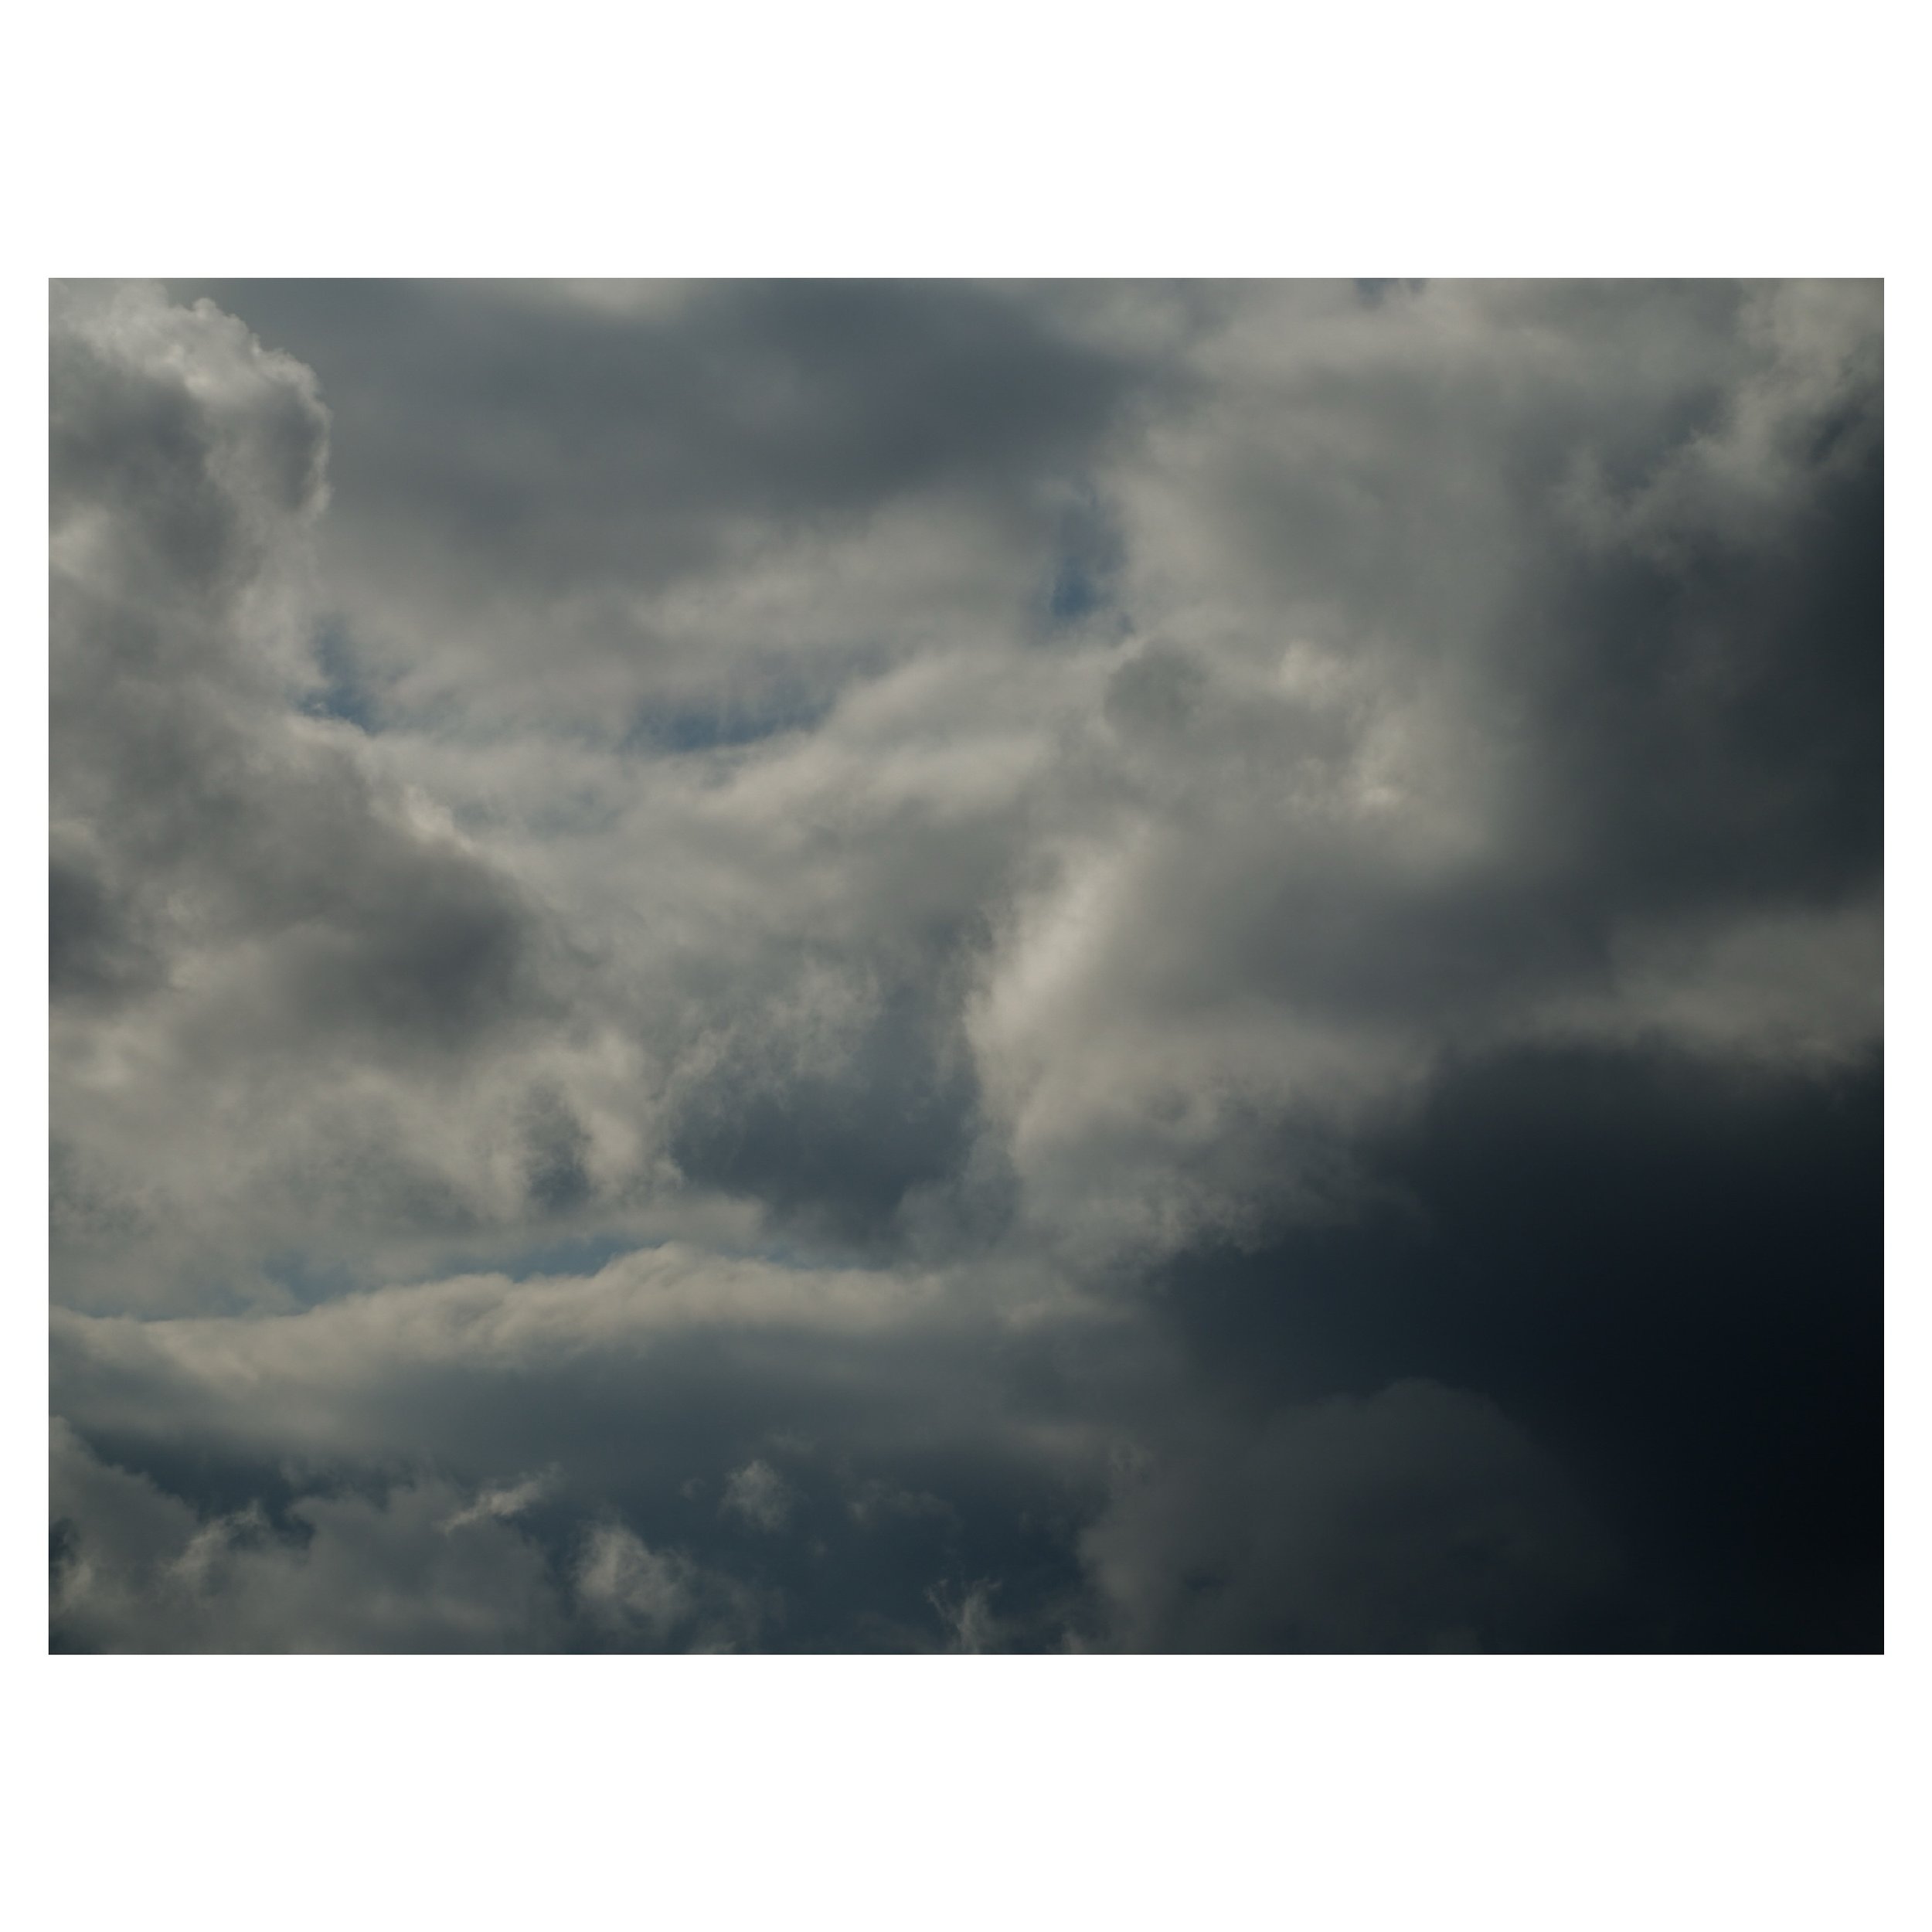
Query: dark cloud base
x,y
1671,1276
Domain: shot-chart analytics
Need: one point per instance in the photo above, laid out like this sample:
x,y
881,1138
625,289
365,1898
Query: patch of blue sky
x,y
309,1281
1088,553
723,723
1076,592
342,693
580,1254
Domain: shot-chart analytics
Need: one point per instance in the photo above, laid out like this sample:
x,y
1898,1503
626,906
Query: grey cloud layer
x,y
927,813
854,1452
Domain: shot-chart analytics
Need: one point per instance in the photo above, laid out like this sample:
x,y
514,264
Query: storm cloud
x,y
871,966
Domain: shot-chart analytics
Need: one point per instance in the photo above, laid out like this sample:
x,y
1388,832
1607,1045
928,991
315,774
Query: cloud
x,y
239,902
757,1493
1417,1519
498,1505
890,1431
967,1615
660,1600
420,1565
660,489
772,899
1667,1275
418,1569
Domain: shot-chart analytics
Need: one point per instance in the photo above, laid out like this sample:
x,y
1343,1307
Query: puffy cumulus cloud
x,y
710,1451
759,896
706,501
243,906
1416,749
1318,758
421,1564
421,1568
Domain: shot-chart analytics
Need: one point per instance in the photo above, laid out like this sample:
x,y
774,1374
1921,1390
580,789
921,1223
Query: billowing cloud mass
x,y
966,967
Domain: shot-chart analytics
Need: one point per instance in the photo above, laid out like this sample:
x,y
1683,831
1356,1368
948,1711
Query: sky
x,y
935,966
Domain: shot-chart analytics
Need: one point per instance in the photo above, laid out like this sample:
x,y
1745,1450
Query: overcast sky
x,y
932,966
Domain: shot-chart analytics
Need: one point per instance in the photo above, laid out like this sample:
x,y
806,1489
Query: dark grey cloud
x,y
999,966
1418,1517
1668,1273
804,399
182,496
524,460
839,1146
